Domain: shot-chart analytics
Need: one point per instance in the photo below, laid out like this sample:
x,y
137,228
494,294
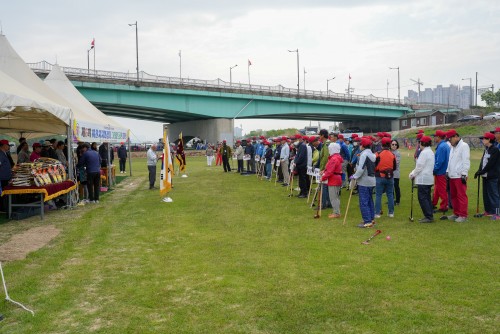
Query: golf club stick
x,y
367,242
277,166
315,194
318,211
291,185
310,188
352,185
478,215
411,202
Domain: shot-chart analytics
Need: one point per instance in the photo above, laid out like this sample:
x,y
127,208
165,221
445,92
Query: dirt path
x,y
32,234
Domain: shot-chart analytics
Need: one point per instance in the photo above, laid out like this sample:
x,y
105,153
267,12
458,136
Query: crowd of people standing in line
x,y
370,165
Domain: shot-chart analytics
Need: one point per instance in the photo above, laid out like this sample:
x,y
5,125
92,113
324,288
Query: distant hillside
x,y
464,129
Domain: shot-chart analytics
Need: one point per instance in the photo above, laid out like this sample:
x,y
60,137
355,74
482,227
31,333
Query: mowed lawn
x,y
233,254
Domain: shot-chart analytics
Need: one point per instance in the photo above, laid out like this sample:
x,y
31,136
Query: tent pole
x,y
70,161
129,154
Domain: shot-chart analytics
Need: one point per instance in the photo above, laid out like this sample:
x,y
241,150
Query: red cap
x,y
380,134
298,136
266,142
340,136
425,139
224,141
35,145
373,138
284,138
306,138
354,135
312,139
386,141
488,135
388,135
451,133
262,137
420,131
365,142
419,136
4,142
357,139
496,130
440,133
249,140
238,142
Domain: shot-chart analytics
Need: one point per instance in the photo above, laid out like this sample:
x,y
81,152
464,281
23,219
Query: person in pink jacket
x,y
333,173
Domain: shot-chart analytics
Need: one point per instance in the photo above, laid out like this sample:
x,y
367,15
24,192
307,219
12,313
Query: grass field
x,y
233,254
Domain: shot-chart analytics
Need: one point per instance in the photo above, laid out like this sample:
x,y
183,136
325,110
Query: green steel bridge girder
x,y
171,105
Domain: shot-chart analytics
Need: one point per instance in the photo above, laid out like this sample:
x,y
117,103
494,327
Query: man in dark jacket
x,y
301,165
277,152
250,150
92,161
489,170
122,156
103,153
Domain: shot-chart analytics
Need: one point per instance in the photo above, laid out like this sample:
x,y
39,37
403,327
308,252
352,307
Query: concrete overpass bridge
x,y
207,108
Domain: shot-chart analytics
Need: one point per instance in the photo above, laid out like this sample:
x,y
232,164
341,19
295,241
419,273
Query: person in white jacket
x,y
424,179
457,172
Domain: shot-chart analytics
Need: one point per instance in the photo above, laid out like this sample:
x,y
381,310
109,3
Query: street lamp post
x,y
136,47
298,71
471,103
231,74
327,81
399,83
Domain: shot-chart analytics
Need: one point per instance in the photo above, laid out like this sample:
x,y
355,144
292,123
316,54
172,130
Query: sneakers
x,y
367,225
452,217
461,220
377,216
391,215
97,201
334,215
426,220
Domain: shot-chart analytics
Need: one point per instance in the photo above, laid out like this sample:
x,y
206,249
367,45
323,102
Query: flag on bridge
x,y
92,44
249,62
166,166
179,155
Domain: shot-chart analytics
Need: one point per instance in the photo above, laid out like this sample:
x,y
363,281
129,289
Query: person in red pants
x,y
457,171
440,165
218,158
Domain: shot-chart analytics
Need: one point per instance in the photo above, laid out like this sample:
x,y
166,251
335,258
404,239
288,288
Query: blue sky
x,y
438,41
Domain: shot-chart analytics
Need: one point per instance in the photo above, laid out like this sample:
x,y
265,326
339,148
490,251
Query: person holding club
x,y
365,177
489,170
333,173
440,166
457,171
424,179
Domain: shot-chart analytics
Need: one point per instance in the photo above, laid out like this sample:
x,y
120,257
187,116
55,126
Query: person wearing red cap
x,y
344,153
250,153
323,160
489,170
365,178
457,171
397,171
423,178
377,144
440,165
284,156
385,165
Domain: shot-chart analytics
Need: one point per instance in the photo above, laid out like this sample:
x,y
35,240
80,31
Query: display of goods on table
x,y
39,173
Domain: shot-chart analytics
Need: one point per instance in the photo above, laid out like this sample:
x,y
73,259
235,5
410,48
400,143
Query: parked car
x,y
493,115
352,130
469,118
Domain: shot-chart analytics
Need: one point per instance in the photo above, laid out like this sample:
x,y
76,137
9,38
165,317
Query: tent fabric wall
x,y
85,112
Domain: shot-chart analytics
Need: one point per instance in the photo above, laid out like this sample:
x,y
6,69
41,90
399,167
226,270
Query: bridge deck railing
x,y
45,67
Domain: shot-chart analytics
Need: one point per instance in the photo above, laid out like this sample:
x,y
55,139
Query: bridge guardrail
x,y
45,67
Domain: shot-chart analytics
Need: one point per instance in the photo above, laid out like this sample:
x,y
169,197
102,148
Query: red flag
x,y
249,62
92,44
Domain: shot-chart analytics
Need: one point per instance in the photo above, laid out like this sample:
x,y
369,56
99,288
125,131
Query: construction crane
x,y
419,83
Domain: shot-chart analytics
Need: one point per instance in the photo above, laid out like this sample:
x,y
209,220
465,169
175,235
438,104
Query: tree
x,y
490,98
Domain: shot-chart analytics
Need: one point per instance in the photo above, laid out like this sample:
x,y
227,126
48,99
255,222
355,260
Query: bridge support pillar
x,y
209,130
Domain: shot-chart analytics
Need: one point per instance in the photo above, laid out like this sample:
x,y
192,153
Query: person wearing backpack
x,y
365,177
385,165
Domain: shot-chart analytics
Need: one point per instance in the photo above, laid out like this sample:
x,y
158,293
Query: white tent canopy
x,y
24,110
90,124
